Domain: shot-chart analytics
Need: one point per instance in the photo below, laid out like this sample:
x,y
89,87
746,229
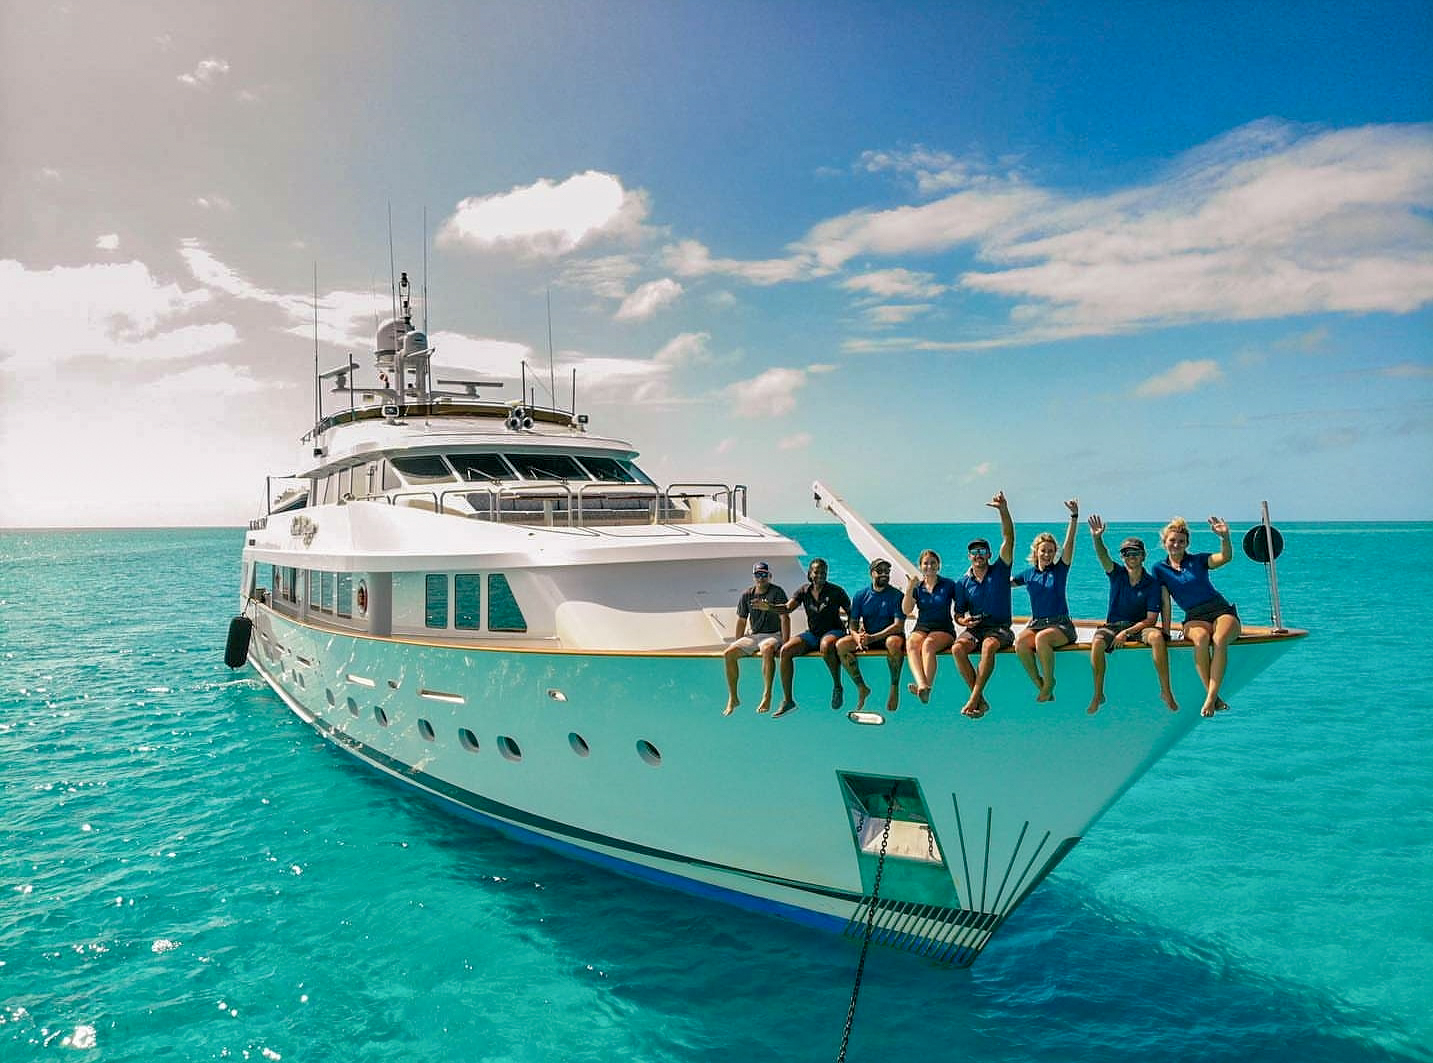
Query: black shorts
x,y
1061,622
1210,611
981,632
1106,632
930,629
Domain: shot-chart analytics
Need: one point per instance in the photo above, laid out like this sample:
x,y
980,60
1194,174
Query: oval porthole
x,y
508,748
556,695
579,744
328,693
425,729
467,740
352,707
648,752
380,716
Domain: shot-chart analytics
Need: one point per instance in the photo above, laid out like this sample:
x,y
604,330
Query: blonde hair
x,y
1178,524
1042,537
928,553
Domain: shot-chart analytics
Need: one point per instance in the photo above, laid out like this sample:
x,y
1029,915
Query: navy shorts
x,y
1061,622
981,632
813,641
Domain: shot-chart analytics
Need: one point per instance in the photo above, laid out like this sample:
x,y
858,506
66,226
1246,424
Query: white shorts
x,y
750,644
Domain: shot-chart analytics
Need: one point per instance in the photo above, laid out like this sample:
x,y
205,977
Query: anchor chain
x,y
870,924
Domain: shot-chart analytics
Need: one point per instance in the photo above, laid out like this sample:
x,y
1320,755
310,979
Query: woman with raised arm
x,y
1133,612
929,598
1211,623
1050,626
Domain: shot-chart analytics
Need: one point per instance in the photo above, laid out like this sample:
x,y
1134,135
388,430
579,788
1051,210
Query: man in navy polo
x,y
983,607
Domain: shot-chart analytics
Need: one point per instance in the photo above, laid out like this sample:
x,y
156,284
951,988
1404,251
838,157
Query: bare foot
x,y
1207,709
731,704
764,705
893,700
975,708
862,693
924,694
1095,704
1047,693
1220,705
1167,696
913,688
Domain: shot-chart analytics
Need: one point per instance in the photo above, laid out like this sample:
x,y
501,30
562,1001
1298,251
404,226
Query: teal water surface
x,y
188,872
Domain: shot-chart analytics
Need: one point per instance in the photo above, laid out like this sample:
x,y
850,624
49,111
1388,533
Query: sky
x,y
1167,258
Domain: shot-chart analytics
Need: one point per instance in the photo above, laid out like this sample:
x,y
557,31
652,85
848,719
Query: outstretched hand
x,y
1073,505
998,502
1097,524
1219,526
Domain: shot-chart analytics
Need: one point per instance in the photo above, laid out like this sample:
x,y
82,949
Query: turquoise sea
x,y
188,872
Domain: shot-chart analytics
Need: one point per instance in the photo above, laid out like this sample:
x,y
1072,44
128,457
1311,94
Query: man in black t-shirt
x,y
762,608
828,609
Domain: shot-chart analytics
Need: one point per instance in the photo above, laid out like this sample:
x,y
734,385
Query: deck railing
x,y
561,504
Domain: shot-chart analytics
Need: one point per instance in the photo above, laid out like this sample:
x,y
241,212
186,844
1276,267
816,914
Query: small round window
x,y
426,730
578,744
467,740
508,748
649,752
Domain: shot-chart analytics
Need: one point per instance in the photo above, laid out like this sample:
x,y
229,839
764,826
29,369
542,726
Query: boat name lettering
x,y
305,527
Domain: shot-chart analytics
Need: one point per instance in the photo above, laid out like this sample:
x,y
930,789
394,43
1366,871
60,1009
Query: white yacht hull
x,y
624,759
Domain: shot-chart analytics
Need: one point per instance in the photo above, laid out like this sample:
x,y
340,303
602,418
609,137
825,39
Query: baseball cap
x,y
761,568
1132,544
977,542
878,562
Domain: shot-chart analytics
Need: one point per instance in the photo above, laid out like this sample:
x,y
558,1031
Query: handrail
x,y
666,506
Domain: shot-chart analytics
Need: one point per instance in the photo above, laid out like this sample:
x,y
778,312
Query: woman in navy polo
x,y
930,598
1050,626
1211,622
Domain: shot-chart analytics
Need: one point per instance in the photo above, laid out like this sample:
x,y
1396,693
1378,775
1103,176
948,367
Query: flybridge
x,y
405,387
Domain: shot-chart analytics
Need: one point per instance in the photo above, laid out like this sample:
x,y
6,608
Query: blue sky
x,y
1166,257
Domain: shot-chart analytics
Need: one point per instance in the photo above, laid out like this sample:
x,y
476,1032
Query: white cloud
x,y
547,218
726,445
977,472
1407,370
799,441
770,394
598,379
206,73
345,318
1181,377
690,258
934,171
648,299
896,314
212,203
684,349
210,381
606,276
108,242
894,284
107,310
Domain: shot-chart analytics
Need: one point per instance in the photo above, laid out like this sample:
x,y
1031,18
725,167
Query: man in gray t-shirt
x,y
770,626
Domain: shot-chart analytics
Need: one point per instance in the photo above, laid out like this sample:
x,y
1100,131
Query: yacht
x,y
485,600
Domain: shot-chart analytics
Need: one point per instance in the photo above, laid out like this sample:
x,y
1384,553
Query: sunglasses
x,y
761,575
980,551
1131,553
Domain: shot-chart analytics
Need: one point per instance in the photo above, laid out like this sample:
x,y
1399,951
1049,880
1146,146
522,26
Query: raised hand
x,y
998,502
1073,505
1097,525
1219,526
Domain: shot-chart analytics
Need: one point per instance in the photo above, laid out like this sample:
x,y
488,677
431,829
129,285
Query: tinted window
x,y
547,467
435,601
345,594
503,611
609,470
467,601
326,592
429,469
482,467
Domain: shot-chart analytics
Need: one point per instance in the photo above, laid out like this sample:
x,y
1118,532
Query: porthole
x,y
380,716
425,729
352,707
508,748
328,693
467,740
578,744
648,752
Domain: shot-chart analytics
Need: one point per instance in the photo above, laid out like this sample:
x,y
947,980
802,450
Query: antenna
x,y
551,382
425,269
317,392
392,268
